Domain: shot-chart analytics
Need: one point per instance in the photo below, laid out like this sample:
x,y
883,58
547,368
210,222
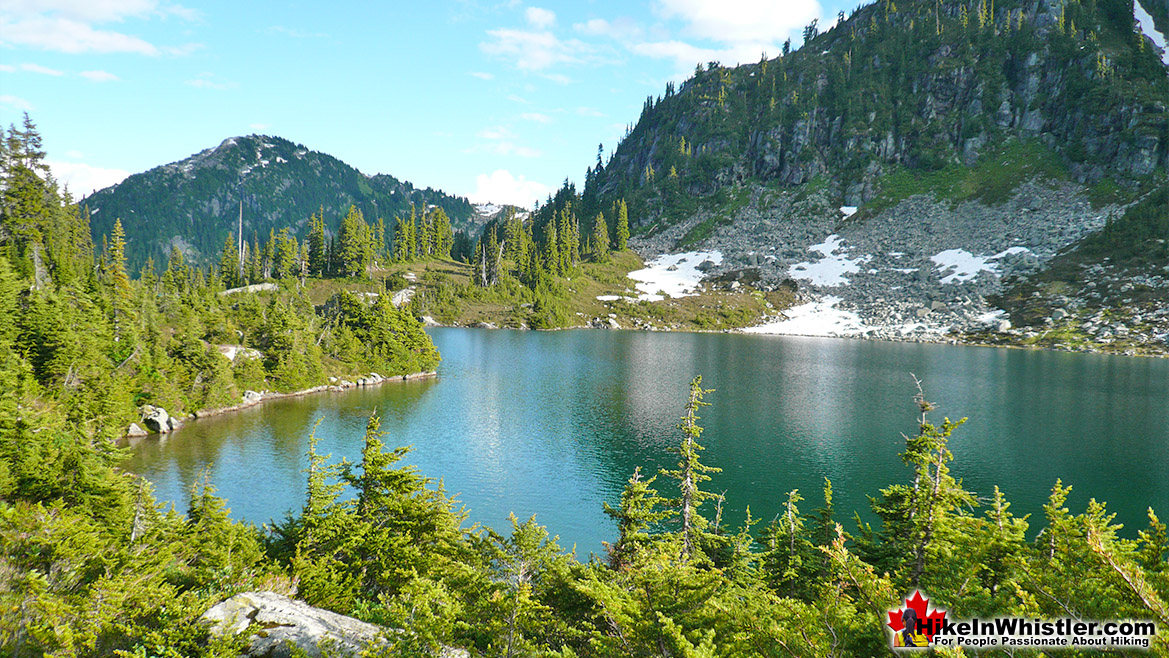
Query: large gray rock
x,y
156,419
280,622
135,431
277,623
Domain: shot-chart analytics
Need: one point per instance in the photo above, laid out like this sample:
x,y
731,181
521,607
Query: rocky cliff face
x,y
916,86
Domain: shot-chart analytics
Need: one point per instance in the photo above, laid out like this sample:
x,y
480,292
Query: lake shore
x,y
254,398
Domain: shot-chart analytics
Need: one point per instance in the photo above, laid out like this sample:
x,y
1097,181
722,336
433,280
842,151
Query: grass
x,y
991,180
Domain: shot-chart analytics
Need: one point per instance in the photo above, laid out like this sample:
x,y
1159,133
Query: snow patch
x,y
820,318
962,265
848,211
829,271
1150,30
487,209
609,298
676,275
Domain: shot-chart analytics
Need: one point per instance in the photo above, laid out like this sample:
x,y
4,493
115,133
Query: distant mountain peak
x,y
194,203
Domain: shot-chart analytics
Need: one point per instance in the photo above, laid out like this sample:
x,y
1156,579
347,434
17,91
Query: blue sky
x,y
495,100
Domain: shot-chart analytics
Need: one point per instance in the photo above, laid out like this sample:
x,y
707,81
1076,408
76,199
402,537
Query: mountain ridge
x,y
193,204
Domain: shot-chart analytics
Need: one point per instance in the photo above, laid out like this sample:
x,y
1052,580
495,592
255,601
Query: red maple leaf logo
x,y
930,619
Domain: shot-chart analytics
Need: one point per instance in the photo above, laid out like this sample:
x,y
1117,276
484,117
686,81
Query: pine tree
x,y
691,473
317,257
622,242
641,509
600,238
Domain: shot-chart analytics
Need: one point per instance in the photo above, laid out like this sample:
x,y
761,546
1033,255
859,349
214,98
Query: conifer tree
x,y
691,473
317,256
600,238
622,236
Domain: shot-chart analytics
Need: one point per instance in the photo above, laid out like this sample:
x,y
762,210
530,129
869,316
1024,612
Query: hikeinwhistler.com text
x,y
1008,632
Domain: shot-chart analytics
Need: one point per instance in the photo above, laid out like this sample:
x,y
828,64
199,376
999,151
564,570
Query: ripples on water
x,y
553,424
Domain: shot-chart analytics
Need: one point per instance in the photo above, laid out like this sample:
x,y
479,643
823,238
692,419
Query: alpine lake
x,y
554,424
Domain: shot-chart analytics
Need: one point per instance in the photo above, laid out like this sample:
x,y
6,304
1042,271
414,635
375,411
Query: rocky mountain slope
x,y
194,203
913,166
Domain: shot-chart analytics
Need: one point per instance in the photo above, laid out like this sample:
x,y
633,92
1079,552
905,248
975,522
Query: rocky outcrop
x,y
276,623
158,421
279,626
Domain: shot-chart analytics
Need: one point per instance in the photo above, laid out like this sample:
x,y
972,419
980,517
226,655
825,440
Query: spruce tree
x,y
622,238
691,473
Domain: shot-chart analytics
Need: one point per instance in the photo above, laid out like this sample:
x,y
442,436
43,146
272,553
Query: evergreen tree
x,y
622,241
600,238
317,256
690,474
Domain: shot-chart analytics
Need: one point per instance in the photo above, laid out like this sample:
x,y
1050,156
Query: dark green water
x,y
553,424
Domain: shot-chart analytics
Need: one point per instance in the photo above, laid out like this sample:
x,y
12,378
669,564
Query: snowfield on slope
x,y
830,269
1150,30
965,265
819,318
675,275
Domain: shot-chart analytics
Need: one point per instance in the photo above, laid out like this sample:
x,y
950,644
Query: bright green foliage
x,y
641,510
690,474
356,244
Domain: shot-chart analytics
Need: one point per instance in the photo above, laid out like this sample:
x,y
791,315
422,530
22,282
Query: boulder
x,y
1058,314
252,397
280,626
156,419
135,431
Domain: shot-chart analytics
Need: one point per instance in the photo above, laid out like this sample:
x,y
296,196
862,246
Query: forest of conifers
x,y
91,564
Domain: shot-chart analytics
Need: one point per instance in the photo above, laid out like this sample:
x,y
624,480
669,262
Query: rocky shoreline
x,y
157,421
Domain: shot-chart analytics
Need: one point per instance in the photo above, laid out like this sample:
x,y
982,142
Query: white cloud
x,y
84,179
540,19
207,81
15,102
686,55
6,68
536,116
558,78
536,50
69,36
43,70
70,26
501,186
258,126
737,21
589,112
619,28
481,75
99,76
